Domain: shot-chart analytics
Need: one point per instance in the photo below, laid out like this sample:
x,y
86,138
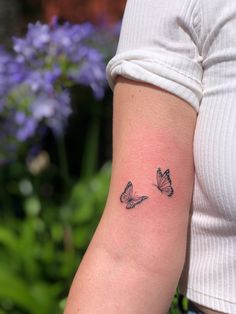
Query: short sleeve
x,y
159,44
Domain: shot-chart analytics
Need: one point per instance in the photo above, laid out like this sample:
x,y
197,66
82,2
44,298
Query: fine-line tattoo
x,y
130,198
164,182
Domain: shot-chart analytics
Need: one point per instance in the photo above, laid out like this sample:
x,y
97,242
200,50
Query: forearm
x,y
135,258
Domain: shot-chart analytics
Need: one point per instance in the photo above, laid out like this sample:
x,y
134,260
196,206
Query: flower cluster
x,y
35,79
61,54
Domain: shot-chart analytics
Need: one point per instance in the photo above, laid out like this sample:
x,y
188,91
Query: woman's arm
x,y
135,258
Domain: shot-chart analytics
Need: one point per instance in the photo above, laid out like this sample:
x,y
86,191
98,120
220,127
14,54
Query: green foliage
x,y
179,304
39,254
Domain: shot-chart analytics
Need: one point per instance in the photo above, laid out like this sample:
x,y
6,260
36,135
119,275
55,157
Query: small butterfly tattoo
x,y
130,198
164,182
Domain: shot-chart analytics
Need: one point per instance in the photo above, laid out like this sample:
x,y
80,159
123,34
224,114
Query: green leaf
x,y
17,290
82,236
35,298
185,303
32,206
9,240
62,304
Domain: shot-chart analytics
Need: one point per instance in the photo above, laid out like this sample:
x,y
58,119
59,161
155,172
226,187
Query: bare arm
x,y
134,261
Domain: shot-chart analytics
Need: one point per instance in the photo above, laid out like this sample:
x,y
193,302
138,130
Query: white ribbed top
x,y
188,47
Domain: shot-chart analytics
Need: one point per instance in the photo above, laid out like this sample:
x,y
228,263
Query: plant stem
x,y
63,164
90,154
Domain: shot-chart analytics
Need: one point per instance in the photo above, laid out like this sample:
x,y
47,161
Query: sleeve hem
x,y
152,69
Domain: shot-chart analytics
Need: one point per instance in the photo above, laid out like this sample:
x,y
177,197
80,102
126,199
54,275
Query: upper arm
x,y
152,129
155,110
136,255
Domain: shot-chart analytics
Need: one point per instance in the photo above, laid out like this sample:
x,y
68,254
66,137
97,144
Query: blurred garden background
x,y
55,144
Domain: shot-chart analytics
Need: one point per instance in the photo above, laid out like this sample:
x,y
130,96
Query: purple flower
x,y
26,130
11,73
39,35
54,110
69,36
91,72
61,53
35,81
20,117
25,51
37,39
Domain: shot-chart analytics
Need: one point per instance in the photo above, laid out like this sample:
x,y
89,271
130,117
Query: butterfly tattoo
x,y
164,182
130,198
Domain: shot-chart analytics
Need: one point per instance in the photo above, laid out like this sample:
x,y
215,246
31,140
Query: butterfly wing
x,y
129,198
164,182
135,201
127,195
159,177
168,190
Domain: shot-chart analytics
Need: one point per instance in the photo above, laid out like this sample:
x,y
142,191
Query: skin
x,y
135,258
